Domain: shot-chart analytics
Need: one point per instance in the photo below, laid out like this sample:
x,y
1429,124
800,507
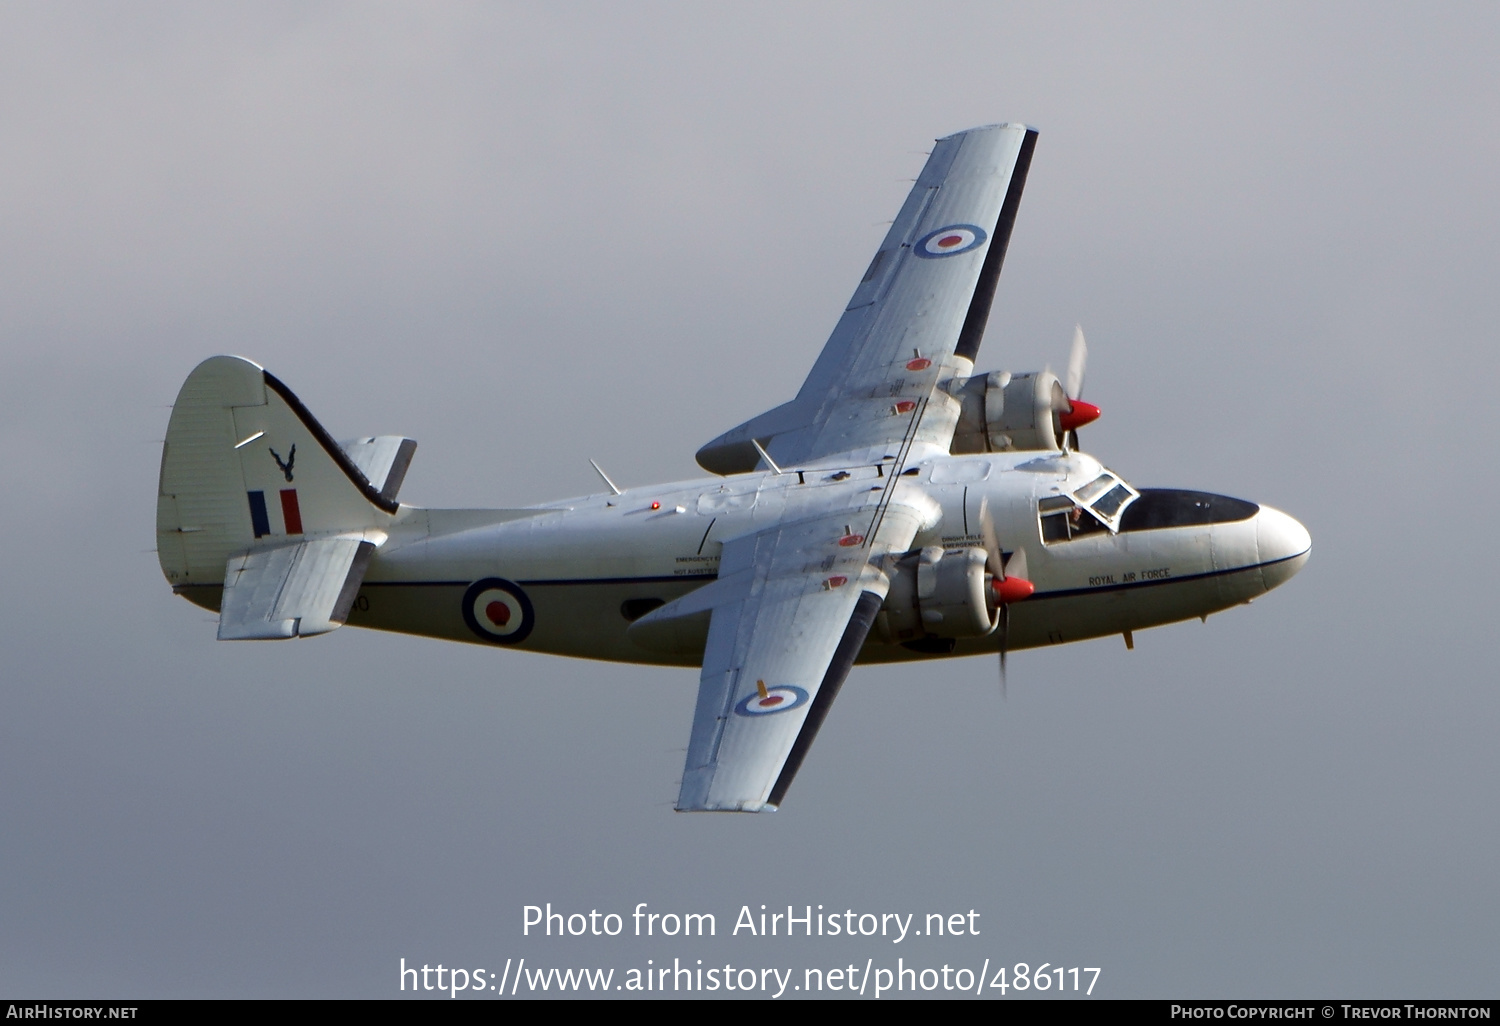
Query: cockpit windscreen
x,y
1096,506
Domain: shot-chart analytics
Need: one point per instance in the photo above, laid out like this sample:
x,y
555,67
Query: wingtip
x,y
989,128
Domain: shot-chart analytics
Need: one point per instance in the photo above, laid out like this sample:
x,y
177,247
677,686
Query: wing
x,y
798,599
916,318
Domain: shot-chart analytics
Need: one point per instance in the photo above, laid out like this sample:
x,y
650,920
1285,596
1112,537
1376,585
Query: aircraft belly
x,y
581,620
1108,584
567,584
1077,616
431,610
587,620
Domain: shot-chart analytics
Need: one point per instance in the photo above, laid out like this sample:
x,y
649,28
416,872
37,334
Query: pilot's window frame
x,y
1067,516
1085,495
1067,521
1121,496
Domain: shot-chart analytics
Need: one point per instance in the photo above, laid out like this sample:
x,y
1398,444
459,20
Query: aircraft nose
x,y
1284,546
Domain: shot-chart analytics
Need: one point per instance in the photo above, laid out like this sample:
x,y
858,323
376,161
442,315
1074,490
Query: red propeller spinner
x,y
1011,589
1082,413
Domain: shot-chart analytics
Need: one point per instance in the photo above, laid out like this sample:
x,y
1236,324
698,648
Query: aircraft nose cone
x,y
1284,546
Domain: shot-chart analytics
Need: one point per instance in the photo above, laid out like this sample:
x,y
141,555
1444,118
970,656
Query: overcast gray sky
x,y
527,236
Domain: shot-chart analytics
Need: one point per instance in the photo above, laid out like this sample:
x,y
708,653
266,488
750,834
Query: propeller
x,y
1008,583
1078,412
1077,357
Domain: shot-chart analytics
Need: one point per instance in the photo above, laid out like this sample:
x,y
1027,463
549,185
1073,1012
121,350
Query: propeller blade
x,y
1004,644
1009,581
992,561
1017,565
1077,357
1062,408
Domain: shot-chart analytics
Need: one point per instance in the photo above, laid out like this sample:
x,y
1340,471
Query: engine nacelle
x,y
937,592
1002,412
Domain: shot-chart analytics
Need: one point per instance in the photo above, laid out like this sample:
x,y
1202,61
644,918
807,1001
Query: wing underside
x,y
796,600
803,597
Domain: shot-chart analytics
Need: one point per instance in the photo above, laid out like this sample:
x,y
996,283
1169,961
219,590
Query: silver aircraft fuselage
x,y
588,568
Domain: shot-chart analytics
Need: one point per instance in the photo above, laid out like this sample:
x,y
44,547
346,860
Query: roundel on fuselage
x,y
498,611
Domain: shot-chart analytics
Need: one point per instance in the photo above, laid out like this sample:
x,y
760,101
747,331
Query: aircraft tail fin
x,y
251,484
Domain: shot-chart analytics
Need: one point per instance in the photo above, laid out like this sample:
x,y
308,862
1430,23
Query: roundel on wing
x,y
950,241
498,611
777,699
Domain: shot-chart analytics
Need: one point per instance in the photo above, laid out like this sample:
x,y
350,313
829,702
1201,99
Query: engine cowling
x,y
941,593
1004,412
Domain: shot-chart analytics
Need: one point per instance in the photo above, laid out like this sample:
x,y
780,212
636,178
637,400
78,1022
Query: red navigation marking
x,y
656,505
920,363
290,511
498,612
950,240
905,406
850,540
837,582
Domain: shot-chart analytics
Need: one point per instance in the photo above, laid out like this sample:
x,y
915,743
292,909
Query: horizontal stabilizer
x,y
383,460
294,590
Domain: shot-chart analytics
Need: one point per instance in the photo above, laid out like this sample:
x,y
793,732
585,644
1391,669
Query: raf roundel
x,y
777,699
498,611
950,241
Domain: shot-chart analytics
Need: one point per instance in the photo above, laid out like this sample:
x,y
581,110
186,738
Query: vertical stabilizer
x,y
247,469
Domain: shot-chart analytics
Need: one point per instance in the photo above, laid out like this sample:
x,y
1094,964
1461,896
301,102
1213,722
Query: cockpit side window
x,y
1063,520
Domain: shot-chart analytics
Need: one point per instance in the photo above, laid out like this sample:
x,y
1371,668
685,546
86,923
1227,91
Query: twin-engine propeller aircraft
x,y
900,507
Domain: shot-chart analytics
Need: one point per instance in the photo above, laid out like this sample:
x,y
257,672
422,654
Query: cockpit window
x,y
1094,487
1113,499
1073,522
1095,507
